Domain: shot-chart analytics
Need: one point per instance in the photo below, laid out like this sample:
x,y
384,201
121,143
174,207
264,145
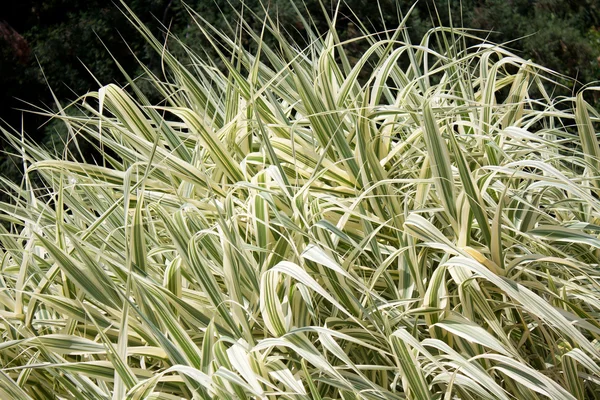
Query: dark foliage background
x,y
66,40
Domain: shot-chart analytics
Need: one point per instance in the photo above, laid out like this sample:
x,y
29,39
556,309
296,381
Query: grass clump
x,y
281,228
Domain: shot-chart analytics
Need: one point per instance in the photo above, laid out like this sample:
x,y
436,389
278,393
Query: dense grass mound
x,y
289,229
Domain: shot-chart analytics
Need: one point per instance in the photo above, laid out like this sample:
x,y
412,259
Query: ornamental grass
x,y
288,222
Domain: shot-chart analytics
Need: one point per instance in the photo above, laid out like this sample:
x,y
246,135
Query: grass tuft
x,y
280,226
